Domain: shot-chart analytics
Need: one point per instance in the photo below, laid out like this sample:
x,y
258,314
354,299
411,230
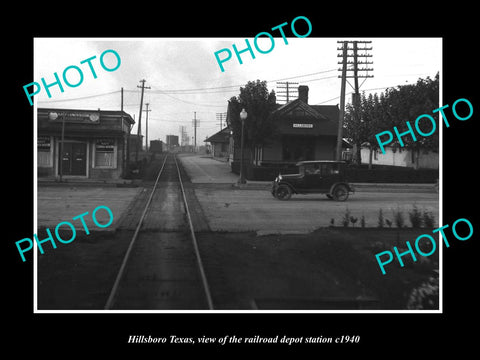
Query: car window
x,y
312,169
326,169
330,169
319,169
309,169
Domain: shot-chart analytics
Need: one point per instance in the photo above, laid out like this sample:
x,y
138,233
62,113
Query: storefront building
x,y
90,144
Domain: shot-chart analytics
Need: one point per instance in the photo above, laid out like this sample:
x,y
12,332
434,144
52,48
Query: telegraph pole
x,y
125,137
146,127
341,113
195,124
220,117
286,85
356,95
139,129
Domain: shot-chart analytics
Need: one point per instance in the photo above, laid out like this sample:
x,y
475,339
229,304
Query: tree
x,y
407,102
354,131
374,117
259,104
360,127
392,108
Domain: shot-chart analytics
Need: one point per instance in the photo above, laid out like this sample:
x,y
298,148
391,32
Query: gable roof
x,y
322,119
221,136
297,106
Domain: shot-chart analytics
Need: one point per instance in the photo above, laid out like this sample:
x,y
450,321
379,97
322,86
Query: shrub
x,y
425,296
362,221
415,217
380,219
428,219
398,218
353,220
346,218
389,223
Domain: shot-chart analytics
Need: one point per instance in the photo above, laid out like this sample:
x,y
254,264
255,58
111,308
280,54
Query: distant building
x,y
157,146
404,157
172,141
220,142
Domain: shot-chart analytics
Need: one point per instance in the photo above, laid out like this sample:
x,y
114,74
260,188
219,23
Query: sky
x,y
185,78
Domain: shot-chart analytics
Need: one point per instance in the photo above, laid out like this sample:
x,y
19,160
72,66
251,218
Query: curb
x,y
359,187
87,183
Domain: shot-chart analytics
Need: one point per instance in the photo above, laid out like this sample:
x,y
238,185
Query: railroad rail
x,y
138,232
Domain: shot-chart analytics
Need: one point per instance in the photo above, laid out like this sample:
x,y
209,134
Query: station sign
x,y
303,126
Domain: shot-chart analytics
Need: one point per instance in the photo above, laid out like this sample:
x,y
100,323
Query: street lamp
x,y
243,116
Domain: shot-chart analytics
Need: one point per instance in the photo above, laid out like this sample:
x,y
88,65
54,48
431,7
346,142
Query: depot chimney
x,y
303,93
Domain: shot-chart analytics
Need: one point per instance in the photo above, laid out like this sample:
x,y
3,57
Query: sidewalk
x,y
73,181
203,169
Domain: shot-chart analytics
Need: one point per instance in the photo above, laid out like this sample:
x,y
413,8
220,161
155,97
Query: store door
x,y
74,159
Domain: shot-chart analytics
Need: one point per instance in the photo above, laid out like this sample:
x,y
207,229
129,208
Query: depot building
x,y
305,132
90,144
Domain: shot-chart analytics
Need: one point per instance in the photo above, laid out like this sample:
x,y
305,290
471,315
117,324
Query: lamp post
x,y
243,116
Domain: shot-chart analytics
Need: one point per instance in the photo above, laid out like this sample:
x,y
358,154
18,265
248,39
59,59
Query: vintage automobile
x,y
314,177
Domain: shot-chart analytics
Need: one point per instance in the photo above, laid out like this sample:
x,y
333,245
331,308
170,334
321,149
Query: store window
x,y
105,150
44,151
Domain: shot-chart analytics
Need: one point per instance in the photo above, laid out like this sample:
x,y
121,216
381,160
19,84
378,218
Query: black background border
x,y
398,333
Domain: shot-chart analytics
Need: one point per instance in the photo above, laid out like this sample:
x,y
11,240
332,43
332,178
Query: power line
x,y
361,59
79,98
351,92
287,89
176,91
188,91
139,128
190,102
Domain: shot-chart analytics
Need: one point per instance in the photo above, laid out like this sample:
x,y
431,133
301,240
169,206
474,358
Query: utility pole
x,y
341,113
195,123
220,117
356,95
146,127
139,129
125,137
286,86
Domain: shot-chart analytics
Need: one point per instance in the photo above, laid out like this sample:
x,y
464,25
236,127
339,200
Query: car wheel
x,y
283,192
340,193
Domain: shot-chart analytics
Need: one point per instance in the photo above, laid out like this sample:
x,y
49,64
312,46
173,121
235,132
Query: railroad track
x,y
162,267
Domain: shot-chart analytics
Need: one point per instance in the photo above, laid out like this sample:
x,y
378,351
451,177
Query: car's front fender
x,y
277,184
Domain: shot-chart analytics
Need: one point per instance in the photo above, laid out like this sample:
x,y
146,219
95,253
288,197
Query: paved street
x,y
258,210
228,208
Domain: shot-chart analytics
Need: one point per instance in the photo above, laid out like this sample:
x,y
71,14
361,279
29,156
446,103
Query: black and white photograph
x,y
262,185
240,191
